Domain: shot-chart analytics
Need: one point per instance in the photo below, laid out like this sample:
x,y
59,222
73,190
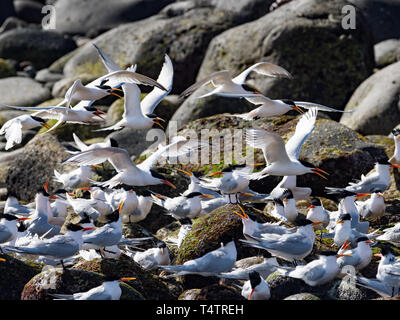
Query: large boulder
x,y
212,292
382,17
183,37
37,46
6,10
387,52
376,103
29,11
22,91
6,70
31,168
54,280
327,61
335,148
94,17
14,274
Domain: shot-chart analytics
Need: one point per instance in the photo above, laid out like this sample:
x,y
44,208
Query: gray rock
x,y
94,17
302,296
323,50
184,38
30,169
6,10
382,17
347,291
21,91
45,75
29,11
376,103
212,292
37,46
13,23
387,52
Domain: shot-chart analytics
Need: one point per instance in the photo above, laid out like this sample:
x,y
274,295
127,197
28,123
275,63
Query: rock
x,y
29,11
37,46
376,103
14,274
184,38
248,262
6,70
92,18
381,16
212,292
322,51
31,168
302,296
387,52
148,284
71,281
282,287
206,234
193,108
45,75
14,23
21,91
340,151
61,87
346,291
6,10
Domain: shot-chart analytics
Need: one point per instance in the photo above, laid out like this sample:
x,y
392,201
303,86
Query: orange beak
x,y
158,123
53,197
84,188
207,196
317,222
120,206
95,166
186,172
97,114
89,228
2,260
168,184
346,244
243,215
45,125
214,174
297,109
251,293
23,219
319,172
378,255
395,166
46,185
127,279
311,207
343,255
246,194
360,195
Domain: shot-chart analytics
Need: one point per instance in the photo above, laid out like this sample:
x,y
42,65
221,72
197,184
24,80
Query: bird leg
x,y
100,253
105,250
294,263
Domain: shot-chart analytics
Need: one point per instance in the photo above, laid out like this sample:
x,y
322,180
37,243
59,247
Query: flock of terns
x,y
33,231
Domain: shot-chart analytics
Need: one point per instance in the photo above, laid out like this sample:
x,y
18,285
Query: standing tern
x,y
84,207
281,159
128,173
391,235
388,268
316,212
291,246
289,206
289,182
227,86
256,288
210,264
109,290
13,207
359,257
379,178
373,208
395,158
144,205
153,257
58,247
317,272
8,227
265,268
13,128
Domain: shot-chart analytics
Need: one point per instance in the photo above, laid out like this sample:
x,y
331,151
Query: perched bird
x,y
291,246
128,204
395,158
84,207
13,207
109,290
78,178
265,268
60,204
227,86
289,206
59,247
316,272
256,288
281,159
210,264
317,212
145,203
289,182
186,226
379,178
391,235
188,206
13,128
128,173
8,227
359,257
279,211
153,257
373,208
388,268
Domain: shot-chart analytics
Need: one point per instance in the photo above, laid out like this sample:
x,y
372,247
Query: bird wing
x,y
304,128
13,133
150,101
308,105
264,68
107,61
98,293
81,145
312,272
272,145
147,164
132,101
217,78
126,76
260,100
70,92
118,157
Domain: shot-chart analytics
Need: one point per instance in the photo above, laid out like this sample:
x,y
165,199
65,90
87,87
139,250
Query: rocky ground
x,y
354,69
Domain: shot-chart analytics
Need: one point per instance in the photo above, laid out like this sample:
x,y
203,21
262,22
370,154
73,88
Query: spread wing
x,y
264,68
